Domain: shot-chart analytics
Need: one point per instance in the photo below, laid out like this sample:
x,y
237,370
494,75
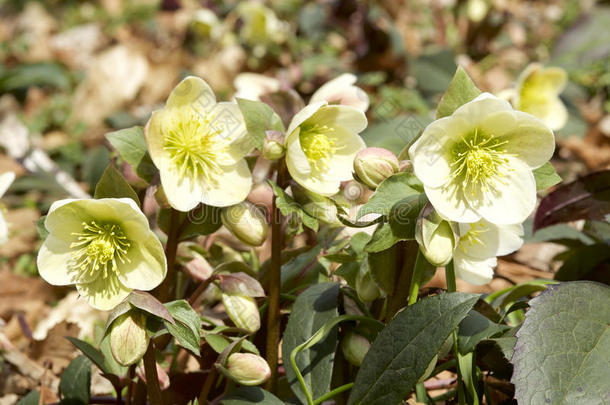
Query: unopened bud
x,y
246,223
273,145
248,368
374,165
436,237
354,348
318,206
243,311
128,339
366,287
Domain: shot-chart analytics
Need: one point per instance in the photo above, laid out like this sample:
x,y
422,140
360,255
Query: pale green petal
x,y
6,179
194,92
473,271
341,163
54,263
450,203
229,188
320,185
182,193
511,200
557,115
296,161
148,266
498,123
229,122
3,229
104,293
482,106
491,240
431,153
155,139
342,116
66,217
531,141
303,115
342,90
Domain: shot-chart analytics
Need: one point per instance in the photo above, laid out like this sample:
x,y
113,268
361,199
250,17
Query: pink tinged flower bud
x,y
248,368
246,223
354,348
243,311
128,339
273,145
374,165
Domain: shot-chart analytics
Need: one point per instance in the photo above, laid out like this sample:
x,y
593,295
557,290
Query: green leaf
x,y
131,145
382,265
287,206
148,303
259,118
113,185
76,381
474,328
42,231
114,368
546,176
202,220
187,327
250,395
461,90
32,398
563,348
582,260
91,352
405,347
311,310
395,133
35,74
217,342
390,191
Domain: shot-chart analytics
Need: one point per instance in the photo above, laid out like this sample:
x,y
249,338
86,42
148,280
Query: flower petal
x,y
511,200
232,186
253,85
342,116
148,266
67,216
182,193
6,179
229,122
192,91
303,115
296,161
491,240
450,203
104,293
431,153
482,106
342,90
473,271
153,132
347,145
53,262
3,229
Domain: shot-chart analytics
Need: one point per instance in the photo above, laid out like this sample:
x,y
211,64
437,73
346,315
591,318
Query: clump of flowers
x,y
103,246
199,146
478,162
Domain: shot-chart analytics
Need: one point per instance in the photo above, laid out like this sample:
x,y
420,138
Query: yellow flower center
x,y
477,160
194,144
99,246
317,145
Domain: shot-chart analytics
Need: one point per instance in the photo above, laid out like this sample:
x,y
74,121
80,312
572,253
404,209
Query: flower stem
x,y
207,386
420,393
450,276
332,393
166,288
152,379
273,313
131,373
418,272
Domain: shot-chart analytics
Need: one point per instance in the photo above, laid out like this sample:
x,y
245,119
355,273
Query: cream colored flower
x,y
341,90
199,146
252,86
538,90
6,179
478,162
480,243
321,143
103,246
207,24
261,26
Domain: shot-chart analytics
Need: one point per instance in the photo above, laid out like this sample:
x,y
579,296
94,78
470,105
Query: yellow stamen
x,y
317,145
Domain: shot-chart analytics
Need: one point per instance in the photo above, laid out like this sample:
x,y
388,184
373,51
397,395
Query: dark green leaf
x,y
461,90
250,395
395,133
433,70
202,220
585,198
187,327
390,191
32,398
474,328
113,185
382,265
217,342
546,176
76,381
581,261
563,348
148,303
91,352
287,206
37,74
131,145
311,310
403,350
42,231
259,118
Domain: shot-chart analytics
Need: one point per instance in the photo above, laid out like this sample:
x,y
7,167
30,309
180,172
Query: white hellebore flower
x,y
6,179
538,90
341,90
478,162
321,144
475,256
199,146
103,246
252,86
